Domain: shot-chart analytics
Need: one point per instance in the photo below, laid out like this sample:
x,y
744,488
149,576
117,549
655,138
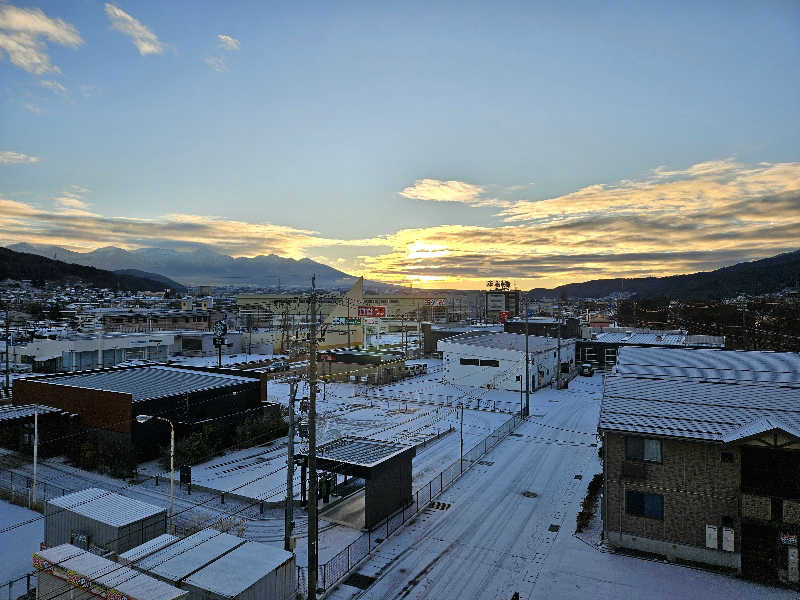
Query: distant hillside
x,y
202,265
757,277
22,265
170,283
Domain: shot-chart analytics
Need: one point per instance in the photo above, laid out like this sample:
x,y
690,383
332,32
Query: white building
x,y
497,360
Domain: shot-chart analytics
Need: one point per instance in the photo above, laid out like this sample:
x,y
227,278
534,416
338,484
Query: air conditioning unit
x,y
80,539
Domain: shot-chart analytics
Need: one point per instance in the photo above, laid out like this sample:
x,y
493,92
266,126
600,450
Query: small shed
x,y
252,571
98,519
67,571
385,468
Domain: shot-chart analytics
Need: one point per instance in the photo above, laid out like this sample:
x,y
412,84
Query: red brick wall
x,y
112,411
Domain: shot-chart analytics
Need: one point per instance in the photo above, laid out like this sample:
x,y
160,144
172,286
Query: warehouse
x,y
497,360
68,572
101,521
211,564
109,400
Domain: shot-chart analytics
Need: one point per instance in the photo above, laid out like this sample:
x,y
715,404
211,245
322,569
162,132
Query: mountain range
x,y
201,265
23,265
763,276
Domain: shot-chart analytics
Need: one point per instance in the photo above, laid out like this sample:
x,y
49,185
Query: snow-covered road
x,y
493,540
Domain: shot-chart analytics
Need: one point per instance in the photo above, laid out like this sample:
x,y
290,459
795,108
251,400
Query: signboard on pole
x,y
495,302
371,311
345,321
788,539
503,316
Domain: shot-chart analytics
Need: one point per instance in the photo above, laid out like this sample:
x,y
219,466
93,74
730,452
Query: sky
x,y
439,144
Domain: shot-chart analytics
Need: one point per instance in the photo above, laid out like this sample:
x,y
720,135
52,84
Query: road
x,y
493,541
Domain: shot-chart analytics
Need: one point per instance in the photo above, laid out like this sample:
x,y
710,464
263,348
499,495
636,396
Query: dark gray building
x,y
101,521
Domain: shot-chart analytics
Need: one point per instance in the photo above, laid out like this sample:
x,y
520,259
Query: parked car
x,y
587,370
278,365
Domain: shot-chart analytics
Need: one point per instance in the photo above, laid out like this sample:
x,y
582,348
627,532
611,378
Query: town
x,y
164,444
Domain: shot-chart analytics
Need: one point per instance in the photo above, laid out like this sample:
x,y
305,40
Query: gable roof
x,y
762,425
711,364
694,408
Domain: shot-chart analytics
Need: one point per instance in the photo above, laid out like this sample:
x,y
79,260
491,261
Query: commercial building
x,y
211,564
70,572
600,347
497,303
101,521
702,464
17,427
544,326
109,400
497,360
148,320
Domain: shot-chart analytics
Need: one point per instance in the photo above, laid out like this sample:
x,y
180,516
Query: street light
x,y
461,461
145,419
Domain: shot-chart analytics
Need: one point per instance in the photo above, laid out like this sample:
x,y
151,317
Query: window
x,y
470,361
637,448
490,363
641,504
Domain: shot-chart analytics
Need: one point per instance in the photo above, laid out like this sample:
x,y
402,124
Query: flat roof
x,y
507,341
188,555
711,364
359,452
238,570
106,507
151,381
695,408
108,574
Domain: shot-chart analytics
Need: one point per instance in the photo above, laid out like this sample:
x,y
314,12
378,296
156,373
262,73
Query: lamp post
x,y
145,419
461,461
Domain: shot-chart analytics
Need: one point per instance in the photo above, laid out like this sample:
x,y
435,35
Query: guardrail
x,y
346,561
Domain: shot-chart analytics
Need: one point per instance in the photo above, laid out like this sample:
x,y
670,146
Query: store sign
x,y
371,311
346,321
503,315
371,321
495,302
787,539
436,302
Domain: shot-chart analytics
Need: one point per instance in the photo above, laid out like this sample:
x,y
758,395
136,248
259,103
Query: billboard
x,y
435,301
495,302
371,311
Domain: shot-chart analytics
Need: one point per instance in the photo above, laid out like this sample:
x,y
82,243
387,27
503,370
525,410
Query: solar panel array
x,y
145,383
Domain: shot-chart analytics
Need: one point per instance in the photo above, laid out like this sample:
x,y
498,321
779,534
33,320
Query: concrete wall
x,y
698,488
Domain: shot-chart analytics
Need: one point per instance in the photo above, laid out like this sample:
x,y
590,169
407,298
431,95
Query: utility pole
x,y
527,366
8,352
462,438
348,321
289,522
313,550
558,369
35,452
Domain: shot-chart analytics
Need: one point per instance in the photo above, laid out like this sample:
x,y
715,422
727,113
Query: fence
x,y
21,586
17,488
333,571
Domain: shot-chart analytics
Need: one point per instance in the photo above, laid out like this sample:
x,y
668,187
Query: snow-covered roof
x,y
181,559
106,507
105,574
361,452
711,364
154,545
758,427
695,408
238,570
149,382
11,412
506,341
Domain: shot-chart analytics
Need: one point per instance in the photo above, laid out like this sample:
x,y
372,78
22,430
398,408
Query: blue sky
x,y
407,141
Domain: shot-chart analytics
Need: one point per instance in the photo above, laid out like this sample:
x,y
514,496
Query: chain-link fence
x,y
331,572
18,489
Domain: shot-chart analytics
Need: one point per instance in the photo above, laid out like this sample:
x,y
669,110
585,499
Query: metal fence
x,y
18,488
19,587
333,571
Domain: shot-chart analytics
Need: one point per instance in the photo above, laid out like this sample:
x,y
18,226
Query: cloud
x,y
7,157
146,41
443,191
24,33
32,107
54,86
227,42
702,217
217,63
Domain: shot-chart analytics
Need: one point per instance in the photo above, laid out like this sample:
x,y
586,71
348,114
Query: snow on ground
x,y
493,541
17,546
